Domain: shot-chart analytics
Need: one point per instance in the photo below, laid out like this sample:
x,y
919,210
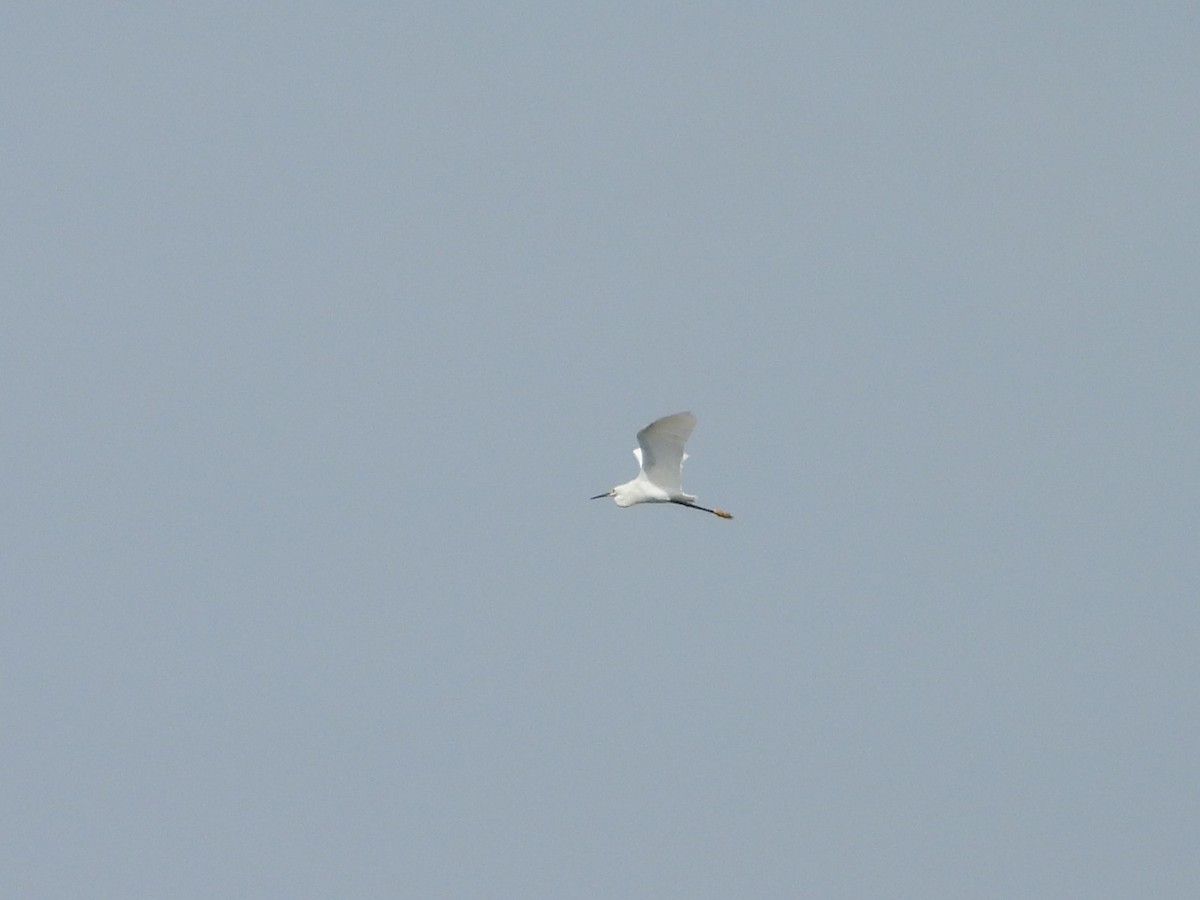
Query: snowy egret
x,y
660,459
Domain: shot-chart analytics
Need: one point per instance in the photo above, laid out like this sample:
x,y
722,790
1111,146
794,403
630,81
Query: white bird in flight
x,y
660,459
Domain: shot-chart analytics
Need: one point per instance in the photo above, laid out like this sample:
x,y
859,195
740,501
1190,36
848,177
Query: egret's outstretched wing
x,y
662,449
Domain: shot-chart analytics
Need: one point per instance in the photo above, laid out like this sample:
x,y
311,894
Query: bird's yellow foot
x,y
723,514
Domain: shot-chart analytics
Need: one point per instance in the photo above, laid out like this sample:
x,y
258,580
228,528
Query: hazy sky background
x,y
322,321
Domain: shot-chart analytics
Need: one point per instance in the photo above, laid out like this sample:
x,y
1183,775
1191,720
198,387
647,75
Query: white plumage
x,y
660,459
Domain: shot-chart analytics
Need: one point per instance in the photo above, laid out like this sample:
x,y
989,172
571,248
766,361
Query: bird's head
x,y
622,495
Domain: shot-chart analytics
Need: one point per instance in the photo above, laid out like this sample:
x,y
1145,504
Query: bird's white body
x,y
660,459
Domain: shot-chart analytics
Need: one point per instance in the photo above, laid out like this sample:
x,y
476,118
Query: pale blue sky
x,y
322,323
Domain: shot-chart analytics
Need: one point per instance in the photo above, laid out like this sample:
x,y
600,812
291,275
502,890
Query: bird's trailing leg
x,y
715,512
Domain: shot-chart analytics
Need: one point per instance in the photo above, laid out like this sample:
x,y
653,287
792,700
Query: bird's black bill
x,y
601,496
